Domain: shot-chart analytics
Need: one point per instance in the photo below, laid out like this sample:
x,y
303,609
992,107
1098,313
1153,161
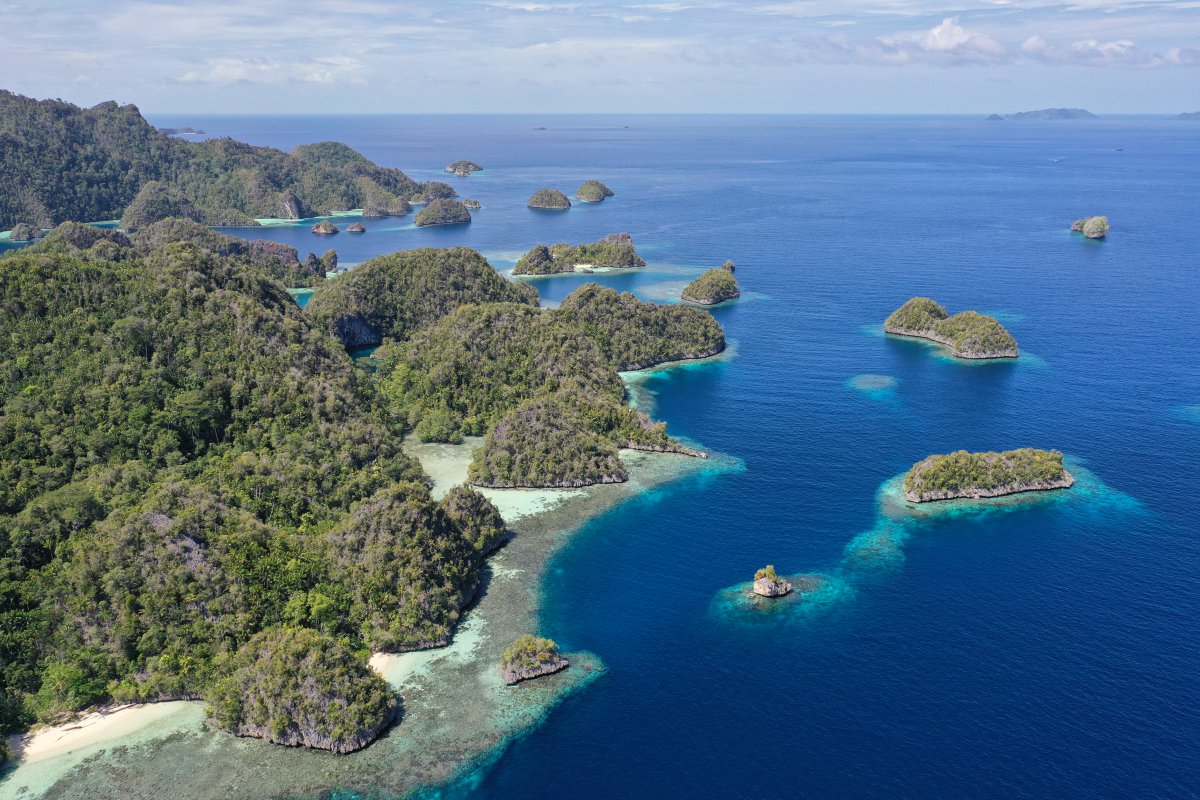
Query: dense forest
x,y
712,287
60,162
615,250
963,474
186,460
971,334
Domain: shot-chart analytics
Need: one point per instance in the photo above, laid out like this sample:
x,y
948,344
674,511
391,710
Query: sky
x,y
540,56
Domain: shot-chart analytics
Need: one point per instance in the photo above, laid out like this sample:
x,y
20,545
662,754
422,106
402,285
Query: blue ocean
x,y
1040,649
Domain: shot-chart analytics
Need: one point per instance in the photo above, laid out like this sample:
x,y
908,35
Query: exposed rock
x,y
472,203
1091,227
24,232
354,331
729,265
530,657
324,228
263,252
765,587
290,206
356,227
978,475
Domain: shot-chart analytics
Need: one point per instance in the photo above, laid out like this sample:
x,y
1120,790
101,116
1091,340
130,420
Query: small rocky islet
x,y
614,251
980,475
1091,227
968,334
714,286
549,200
443,211
593,192
325,228
462,169
530,657
767,583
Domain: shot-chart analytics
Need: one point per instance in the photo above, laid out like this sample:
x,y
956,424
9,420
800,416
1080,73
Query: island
x,y
356,227
614,251
530,657
24,232
968,334
443,211
1053,113
299,687
472,204
1190,116
978,475
462,169
593,192
182,131
325,228
217,181
994,118
714,286
549,199
1091,227
769,584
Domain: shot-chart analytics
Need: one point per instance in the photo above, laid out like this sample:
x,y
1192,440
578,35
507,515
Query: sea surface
x,y
1030,650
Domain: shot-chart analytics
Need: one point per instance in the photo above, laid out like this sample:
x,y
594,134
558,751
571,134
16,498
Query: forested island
x,y
462,169
615,251
443,211
593,192
530,657
1053,113
968,334
714,286
976,475
203,497
62,162
551,199
1091,227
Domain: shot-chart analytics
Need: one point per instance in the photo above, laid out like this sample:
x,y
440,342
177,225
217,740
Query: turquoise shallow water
x,y
1037,649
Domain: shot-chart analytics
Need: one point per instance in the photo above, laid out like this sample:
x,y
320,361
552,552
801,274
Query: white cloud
x,y
1116,53
325,70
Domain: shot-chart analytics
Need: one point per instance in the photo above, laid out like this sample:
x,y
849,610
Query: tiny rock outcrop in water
x,y
968,334
978,475
324,228
1091,227
472,204
356,227
530,657
768,584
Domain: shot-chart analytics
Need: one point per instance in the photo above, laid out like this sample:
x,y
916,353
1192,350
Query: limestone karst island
x,y
968,334
977,475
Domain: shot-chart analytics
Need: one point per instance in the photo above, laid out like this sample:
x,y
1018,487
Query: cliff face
x,y
959,352
988,474
354,331
924,496
516,674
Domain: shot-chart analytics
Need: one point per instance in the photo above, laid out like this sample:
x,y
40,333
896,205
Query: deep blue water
x,y
1052,651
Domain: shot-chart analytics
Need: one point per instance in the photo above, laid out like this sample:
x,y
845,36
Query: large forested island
x,y
203,497
968,334
976,475
615,251
62,162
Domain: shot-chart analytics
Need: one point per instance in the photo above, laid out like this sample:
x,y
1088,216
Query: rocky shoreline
x,y
933,336
1065,482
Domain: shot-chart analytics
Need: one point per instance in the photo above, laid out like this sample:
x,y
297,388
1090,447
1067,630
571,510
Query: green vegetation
x,y
1091,227
529,657
24,232
964,474
615,251
593,192
295,686
325,228
394,295
187,460
714,286
462,168
550,199
443,211
967,333
636,335
767,572
62,162
154,202
730,266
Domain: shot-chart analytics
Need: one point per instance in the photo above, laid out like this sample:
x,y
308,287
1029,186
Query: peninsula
x,y
216,181
968,334
615,251
714,286
1091,227
977,475
549,199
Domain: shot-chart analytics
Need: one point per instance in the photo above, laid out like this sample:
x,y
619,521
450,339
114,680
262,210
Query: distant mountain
x,y
1053,113
60,162
1193,116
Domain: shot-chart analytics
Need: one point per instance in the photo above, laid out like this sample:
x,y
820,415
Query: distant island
x,y
551,199
216,181
977,475
714,286
968,334
1091,227
356,227
994,118
530,657
1051,113
472,203
325,228
1191,116
615,251
443,211
462,169
182,131
593,192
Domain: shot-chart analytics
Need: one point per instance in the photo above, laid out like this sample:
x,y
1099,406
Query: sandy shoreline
x,y
457,713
